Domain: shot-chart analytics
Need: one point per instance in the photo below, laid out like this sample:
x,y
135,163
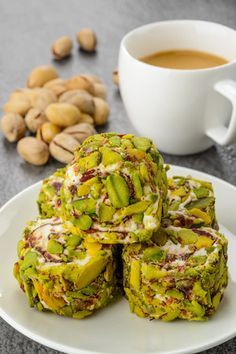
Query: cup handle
x,y
220,133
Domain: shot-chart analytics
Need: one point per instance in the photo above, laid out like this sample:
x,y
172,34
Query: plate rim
x,y
72,350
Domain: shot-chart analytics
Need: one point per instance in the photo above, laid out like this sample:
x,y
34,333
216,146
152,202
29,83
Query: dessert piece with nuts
x,y
13,127
80,131
33,151
87,39
62,273
49,199
62,147
63,114
119,182
181,273
47,131
34,119
62,47
40,75
191,203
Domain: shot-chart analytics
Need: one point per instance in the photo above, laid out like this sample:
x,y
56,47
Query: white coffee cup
x,y
183,111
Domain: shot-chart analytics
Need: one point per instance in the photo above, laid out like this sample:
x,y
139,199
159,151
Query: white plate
x,y
114,330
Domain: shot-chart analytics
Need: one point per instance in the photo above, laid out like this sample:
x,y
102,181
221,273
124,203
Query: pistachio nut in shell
x,y
58,86
63,114
62,147
34,119
13,126
102,111
33,151
19,104
62,47
80,131
40,75
86,118
100,90
83,101
87,39
47,131
79,82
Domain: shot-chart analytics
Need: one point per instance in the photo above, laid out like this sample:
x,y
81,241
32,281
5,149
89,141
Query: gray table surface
x,y
27,29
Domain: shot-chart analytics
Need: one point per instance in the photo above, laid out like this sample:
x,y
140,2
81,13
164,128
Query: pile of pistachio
x,y
52,115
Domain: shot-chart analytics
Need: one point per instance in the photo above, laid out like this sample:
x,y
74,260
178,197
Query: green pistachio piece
x,y
187,236
109,156
136,208
49,190
135,274
170,316
115,141
195,308
106,212
20,246
84,222
174,206
142,143
138,190
73,241
30,260
198,290
176,294
144,172
160,237
90,161
216,300
81,314
138,217
91,271
54,247
87,205
152,272
153,254
201,192
201,203
118,190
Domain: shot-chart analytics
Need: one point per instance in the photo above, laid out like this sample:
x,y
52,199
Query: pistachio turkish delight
x,y
181,273
61,272
115,189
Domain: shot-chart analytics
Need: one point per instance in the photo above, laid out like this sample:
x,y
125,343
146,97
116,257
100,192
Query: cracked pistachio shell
x,y
79,82
86,118
102,111
13,126
33,151
62,147
47,131
80,131
40,75
58,86
87,39
62,47
63,114
34,119
93,78
118,190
